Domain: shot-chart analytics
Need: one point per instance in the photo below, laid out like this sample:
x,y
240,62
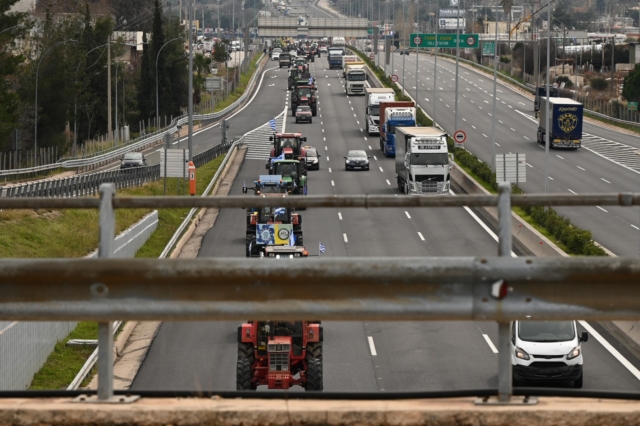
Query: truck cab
x,y
354,82
373,97
393,115
565,123
541,93
423,162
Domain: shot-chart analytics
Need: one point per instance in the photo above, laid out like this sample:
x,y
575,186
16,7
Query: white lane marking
x,y
581,168
490,343
559,157
421,237
527,138
633,226
512,129
408,215
464,119
325,148
365,138
529,165
375,158
346,240
573,192
483,133
388,183
605,180
551,178
372,346
329,169
370,147
482,224
497,144
327,158
633,370
381,170
518,102
332,183
324,139
473,126
602,209
323,129
339,215
510,106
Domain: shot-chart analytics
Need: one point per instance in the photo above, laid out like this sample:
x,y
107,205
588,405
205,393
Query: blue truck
x,y
335,61
392,115
565,122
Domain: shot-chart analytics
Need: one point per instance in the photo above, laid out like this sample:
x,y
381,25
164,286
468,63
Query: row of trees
x,y
66,56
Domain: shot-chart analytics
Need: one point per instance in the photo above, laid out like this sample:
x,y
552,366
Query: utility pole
x,y
190,138
435,69
457,63
109,128
548,90
564,56
218,27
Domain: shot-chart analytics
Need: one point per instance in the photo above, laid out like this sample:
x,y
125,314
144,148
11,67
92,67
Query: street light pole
x,y
457,64
157,56
190,137
35,132
546,113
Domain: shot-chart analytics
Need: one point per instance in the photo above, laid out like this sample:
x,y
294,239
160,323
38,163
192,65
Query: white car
x,y
275,55
547,351
323,49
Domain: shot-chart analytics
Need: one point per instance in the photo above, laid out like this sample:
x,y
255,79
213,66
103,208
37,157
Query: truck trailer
x,y
423,161
335,60
393,114
565,122
373,96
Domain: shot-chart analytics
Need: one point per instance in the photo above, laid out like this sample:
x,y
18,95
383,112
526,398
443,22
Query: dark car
x,y
356,160
303,113
133,159
313,159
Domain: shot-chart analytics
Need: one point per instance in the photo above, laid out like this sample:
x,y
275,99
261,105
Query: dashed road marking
x,y
381,170
581,168
605,180
339,215
421,237
408,215
346,240
332,183
388,183
490,343
372,346
602,209
573,192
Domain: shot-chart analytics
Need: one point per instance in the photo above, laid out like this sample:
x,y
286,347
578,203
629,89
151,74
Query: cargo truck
x,y
355,78
542,93
392,115
335,60
346,59
373,97
422,160
565,122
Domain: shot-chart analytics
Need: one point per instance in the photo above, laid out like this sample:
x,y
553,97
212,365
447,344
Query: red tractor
x,y
280,355
289,144
304,95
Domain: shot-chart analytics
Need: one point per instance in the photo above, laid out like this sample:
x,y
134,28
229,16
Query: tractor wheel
x,y
314,112
314,350
293,111
314,374
246,359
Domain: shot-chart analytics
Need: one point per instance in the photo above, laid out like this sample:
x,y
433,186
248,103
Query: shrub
x,y
599,83
566,80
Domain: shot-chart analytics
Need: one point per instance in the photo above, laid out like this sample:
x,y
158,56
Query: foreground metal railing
x,y
498,289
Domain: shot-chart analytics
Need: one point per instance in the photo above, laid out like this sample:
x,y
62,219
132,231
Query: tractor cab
x,y
287,146
304,94
266,184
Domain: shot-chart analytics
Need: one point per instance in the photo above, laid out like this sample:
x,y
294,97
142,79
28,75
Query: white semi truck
x,y
372,99
423,161
355,78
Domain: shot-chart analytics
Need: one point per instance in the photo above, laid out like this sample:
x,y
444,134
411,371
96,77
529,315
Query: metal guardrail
x,y
136,144
83,185
498,289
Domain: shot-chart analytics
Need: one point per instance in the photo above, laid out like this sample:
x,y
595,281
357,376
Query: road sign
x,y
488,48
177,162
632,106
467,41
460,136
511,168
213,83
394,78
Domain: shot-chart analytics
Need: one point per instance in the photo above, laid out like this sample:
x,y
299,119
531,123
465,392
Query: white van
x,y
547,351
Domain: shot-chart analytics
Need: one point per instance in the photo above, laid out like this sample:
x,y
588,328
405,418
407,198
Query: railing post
x,y
505,383
105,332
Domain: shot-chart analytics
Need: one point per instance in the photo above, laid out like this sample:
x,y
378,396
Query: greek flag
x,y
280,157
279,211
292,239
310,80
272,123
322,248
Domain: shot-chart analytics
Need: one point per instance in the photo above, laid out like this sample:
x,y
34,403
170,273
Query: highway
x,y
358,356
607,162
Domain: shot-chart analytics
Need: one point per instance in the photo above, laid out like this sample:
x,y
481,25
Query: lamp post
x,y
35,132
157,56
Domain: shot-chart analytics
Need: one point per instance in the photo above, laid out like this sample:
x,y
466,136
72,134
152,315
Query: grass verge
x,y
65,362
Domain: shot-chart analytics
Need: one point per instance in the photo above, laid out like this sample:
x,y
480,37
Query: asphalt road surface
x,y
358,356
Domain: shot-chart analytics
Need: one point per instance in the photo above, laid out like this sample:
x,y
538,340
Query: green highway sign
x,y
632,106
488,48
370,30
467,41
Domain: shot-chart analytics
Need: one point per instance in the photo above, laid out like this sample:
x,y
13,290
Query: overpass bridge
x,y
317,27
